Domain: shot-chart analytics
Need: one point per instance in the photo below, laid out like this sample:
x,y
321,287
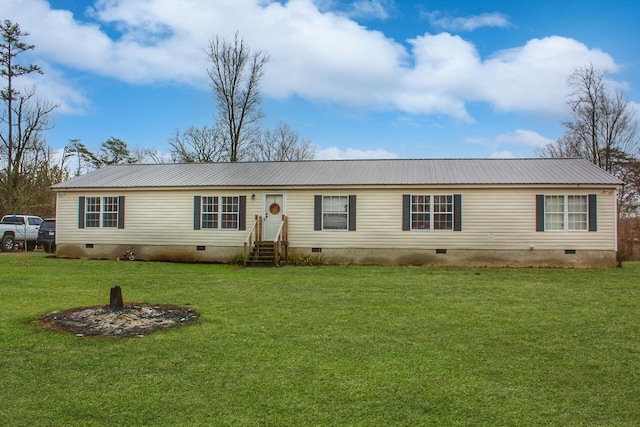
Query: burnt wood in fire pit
x,y
116,303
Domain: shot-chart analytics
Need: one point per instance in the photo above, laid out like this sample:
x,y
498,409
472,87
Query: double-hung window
x,y
432,212
443,212
96,212
92,212
110,212
334,212
573,212
420,212
577,212
229,212
219,212
568,213
209,212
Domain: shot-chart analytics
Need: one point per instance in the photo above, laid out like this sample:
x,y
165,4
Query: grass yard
x,y
316,346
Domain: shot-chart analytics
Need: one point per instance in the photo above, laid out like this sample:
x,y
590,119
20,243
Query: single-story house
x,y
472,212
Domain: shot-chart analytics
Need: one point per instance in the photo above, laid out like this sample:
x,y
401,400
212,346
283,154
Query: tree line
x,y
28,165
603,128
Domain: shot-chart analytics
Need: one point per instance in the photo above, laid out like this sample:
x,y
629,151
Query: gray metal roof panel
x,y
542,171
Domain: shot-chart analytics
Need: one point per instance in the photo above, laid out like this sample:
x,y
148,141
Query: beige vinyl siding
x,y
151,218
492,218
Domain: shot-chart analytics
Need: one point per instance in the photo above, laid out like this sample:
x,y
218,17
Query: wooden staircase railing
x,y
266,252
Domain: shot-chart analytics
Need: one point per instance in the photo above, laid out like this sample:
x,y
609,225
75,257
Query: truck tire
x,y
8,243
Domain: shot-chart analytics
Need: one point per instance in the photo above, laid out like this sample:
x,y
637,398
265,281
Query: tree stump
x,y
116,302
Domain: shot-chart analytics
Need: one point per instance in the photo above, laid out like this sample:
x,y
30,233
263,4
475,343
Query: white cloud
x,y
527,138
316,55
334,153
534,77
469,23
369,9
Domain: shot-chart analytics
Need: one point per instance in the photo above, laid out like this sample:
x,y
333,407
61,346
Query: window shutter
x,y
539,212
81,205
593,213
242,213
406,212
120,211
352,212
317,212
196,212
457,212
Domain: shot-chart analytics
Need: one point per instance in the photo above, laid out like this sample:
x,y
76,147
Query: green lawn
x,y
316,346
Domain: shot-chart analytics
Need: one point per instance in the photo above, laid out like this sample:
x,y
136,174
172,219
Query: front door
x,y
273,212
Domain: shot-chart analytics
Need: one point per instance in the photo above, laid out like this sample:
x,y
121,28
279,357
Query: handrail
x,y
280,243
248,241
281,236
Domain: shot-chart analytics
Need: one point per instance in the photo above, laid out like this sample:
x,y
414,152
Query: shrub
x,y
311,259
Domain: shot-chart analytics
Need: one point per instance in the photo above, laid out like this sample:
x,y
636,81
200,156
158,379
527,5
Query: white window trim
x,y
218,210
432,213
565,228
105,211
346,213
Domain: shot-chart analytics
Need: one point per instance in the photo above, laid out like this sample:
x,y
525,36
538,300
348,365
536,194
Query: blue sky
x,y
360,79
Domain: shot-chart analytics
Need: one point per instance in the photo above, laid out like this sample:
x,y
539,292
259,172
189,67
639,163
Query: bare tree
x,y
31,118
602,126
283,144
145,155
197,145
603,130
10,47
235,76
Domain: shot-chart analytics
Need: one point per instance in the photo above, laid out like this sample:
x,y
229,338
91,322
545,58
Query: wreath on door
x,y
274,209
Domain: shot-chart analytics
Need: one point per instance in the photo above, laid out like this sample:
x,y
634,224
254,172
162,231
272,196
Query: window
x,y
93,212
420,212
577,212
110,212
443,212
209,212
219,212
334,212
229,210
35,221
432,212
554,212
566,212
96,212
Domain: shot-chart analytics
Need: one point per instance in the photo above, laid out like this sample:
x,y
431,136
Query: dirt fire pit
x,y
134,319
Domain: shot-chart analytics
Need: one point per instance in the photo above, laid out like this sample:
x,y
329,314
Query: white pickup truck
x,y
19,229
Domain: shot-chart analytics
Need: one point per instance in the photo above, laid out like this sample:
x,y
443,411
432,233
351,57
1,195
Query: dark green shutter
x,y
352,212
196,212
593,213
317,212
120,211
539,212
406,212
81,205
242,213
457,212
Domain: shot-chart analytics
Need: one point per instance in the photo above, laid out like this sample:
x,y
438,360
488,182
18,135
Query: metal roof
x,y
539,171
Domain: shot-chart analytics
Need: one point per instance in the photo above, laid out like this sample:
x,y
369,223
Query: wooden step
x,y
263,254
